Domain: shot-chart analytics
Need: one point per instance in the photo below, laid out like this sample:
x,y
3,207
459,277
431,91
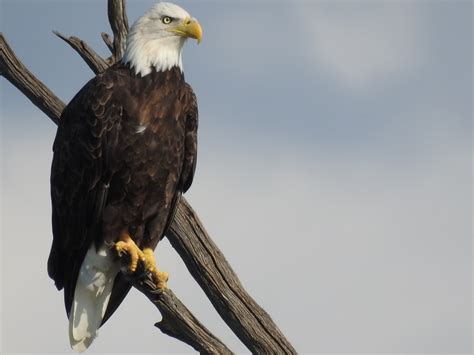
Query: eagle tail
x,y
91,296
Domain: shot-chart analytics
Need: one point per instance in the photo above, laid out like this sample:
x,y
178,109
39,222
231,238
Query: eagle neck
x,y
145,55
157,78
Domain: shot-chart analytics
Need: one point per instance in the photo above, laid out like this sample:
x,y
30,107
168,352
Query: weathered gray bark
x,y
17,74
93,60
177,321
210,269
119,23
204,260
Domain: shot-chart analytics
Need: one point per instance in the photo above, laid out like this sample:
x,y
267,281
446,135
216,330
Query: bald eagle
x,y
124,152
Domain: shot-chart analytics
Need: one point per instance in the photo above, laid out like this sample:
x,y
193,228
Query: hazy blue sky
x,y
336,134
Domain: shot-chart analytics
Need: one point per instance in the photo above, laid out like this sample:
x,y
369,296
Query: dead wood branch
x,y
17,74
210,269
119,25
177,321
92,59
108,42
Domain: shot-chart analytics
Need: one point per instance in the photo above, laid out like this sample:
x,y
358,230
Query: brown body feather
x,y
124,152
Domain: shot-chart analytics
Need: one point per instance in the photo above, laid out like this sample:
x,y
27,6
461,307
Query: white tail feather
x,y
91,296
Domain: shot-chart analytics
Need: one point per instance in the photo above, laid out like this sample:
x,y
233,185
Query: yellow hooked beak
x,y
188,28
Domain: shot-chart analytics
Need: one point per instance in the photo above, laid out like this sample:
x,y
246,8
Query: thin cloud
x,y
363,46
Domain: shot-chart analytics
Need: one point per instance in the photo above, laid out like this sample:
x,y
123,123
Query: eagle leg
x,y
127,245
148,259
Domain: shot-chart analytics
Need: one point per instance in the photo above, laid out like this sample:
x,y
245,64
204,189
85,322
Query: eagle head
x,y
156,39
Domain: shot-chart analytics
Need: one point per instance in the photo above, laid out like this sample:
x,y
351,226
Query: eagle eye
x,y
166,20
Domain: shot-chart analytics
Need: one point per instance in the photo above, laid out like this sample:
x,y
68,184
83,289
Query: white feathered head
x,y
157,38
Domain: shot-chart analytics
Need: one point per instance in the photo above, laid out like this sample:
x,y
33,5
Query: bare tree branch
x,y
17,74
210,269
108,41
119,24
177,321
92,59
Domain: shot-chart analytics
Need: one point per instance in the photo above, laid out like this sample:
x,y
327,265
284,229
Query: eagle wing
x,y
83,163
190,152
190,143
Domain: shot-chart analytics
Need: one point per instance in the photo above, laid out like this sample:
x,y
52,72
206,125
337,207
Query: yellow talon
x,y
148,259
128,246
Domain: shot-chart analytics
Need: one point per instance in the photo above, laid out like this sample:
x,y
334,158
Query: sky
x,y
334,172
